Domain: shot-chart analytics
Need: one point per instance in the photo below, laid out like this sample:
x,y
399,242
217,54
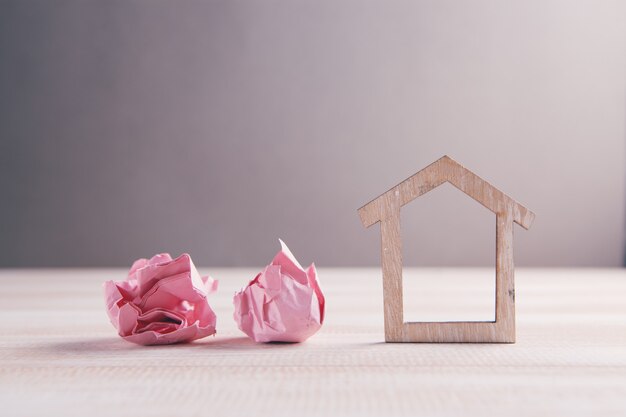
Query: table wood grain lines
x,y
60,356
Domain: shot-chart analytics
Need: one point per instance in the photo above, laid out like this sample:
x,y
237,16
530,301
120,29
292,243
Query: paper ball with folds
x,y
162,301
284,303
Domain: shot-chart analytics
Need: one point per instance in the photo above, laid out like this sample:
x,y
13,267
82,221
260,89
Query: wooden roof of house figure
x,y
386,210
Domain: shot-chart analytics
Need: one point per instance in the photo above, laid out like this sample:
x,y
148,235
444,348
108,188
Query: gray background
x,y
132,127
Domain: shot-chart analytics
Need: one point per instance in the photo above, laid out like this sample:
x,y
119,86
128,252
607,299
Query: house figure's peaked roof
x,y
443,170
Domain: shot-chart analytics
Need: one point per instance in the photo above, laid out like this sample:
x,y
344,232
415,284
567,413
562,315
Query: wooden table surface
x,y
60,356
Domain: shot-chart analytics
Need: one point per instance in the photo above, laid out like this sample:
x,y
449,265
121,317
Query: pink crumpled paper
x,y
283,303
162,301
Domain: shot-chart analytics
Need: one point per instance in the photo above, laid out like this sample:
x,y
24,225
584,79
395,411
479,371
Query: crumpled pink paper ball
x,y
283,303
162,301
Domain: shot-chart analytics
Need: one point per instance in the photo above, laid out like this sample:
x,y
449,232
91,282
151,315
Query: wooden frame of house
x,y
386,210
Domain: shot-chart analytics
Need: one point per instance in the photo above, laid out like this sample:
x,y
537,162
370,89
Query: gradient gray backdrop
x,y
131,127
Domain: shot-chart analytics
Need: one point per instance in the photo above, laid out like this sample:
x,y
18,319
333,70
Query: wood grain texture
x,y
60,356
442,170
386,210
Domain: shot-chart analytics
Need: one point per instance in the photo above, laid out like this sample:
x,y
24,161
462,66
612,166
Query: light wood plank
x,y
60,356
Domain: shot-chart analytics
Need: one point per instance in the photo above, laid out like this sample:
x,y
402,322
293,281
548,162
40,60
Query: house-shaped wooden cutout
x,y
386,210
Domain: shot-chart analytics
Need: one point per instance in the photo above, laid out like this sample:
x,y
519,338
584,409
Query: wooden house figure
x,y
386,210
